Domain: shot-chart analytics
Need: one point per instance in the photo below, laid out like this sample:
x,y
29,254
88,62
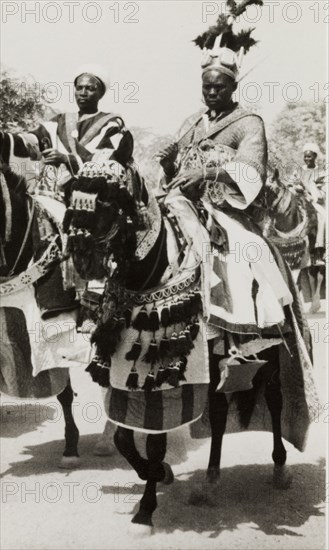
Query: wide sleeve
x,y
248,168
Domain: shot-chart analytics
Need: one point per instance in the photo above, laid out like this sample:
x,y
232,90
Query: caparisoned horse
x,y
30,277
293,223
162,365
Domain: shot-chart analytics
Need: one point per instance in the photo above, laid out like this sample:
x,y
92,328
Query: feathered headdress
x,y
222,48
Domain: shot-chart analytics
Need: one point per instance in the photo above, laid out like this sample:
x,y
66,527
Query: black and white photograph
x,y
163,275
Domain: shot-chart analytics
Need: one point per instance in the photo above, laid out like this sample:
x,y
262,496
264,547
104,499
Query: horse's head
x,y
105,212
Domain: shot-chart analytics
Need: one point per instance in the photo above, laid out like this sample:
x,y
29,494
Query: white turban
x,y
95,70
311,147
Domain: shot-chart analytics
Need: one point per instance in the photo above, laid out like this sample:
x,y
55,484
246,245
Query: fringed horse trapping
x,y
37,313
154,352
293,224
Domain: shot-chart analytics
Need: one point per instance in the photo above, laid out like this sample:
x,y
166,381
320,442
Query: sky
x,y
154,67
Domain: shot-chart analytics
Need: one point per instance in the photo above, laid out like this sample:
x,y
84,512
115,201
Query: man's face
x,y
217,89
309,159
87,93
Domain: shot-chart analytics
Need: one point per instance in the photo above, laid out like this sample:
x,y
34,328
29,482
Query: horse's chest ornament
x,y
158,328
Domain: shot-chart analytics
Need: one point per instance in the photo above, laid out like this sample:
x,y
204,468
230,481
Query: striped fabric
x,y
155,412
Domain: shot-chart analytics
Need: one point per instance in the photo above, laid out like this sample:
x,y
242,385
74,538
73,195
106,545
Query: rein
x,y
26,235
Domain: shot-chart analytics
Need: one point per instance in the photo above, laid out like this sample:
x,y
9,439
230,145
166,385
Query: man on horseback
x,y
219,162
69,140
310,183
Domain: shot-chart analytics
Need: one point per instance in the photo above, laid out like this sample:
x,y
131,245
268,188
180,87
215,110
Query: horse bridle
x,y
30,212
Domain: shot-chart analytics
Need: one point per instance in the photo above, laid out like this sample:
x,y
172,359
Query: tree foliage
x,y
21,103
297,124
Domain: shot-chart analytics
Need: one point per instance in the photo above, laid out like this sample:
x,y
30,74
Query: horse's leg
x,y
70,456
156,446
218,408
273,396
316,279
124,442
104,445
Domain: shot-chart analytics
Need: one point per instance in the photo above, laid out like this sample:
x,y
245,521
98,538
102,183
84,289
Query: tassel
x,y
141,321
151,356
194,330
100,373
182,368
165,317
67,219
164,348
132,380
173,375
187,307
160,377
154,322
173,345
180,311
104,377
189,341
128,313
135,351
149,382
175,312
196,303
181,345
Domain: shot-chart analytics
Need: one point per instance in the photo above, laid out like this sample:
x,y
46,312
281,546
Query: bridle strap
x,y
26,235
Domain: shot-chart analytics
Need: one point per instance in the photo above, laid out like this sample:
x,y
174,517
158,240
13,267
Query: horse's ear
x,y
124,152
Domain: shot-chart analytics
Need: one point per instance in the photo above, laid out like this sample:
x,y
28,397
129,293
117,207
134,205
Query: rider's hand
x,y
53,157
190,183
167,157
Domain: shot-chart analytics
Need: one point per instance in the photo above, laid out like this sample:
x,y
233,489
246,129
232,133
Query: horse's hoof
x,y
315,307
140,530
282,479
169,474
213,475
103,450
69,462
142,519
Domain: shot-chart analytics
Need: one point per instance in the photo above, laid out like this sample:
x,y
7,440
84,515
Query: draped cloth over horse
x,y
38,312
151,346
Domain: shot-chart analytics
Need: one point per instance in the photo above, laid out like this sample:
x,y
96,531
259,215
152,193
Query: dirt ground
x,y
44,507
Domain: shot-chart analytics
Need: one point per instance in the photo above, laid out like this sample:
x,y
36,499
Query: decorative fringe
x,y
164,346
100,373
132,380
161,376
128,313
194,329
189,341
149,382
172,352
135,351
165,317
182,363
196,303
173,375
151,356
67,219
141,321
154,321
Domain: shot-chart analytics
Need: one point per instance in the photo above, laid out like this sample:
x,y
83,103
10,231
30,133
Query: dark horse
x,y
104,221
16,226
